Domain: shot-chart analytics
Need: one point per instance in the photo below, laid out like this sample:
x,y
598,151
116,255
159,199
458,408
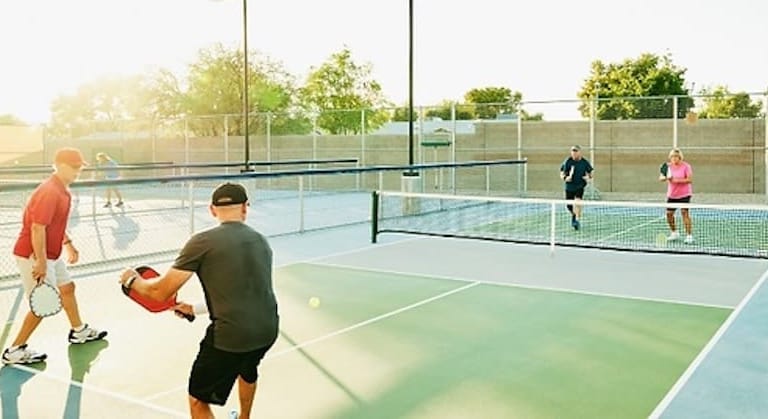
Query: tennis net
x,y
738,230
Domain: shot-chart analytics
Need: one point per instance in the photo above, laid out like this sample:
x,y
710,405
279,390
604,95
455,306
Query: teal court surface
x,y
417,327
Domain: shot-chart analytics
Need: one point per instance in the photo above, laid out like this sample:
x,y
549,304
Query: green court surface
x,y
438,348
737,232
428,328
720,230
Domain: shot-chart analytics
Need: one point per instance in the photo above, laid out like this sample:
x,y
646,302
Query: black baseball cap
x,y
229,194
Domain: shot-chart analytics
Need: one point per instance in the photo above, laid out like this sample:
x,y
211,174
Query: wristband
x,y
200,308
129,282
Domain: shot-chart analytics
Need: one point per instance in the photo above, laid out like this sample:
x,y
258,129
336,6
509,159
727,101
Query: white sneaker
x,y
689,239
86,335
22,355
673,236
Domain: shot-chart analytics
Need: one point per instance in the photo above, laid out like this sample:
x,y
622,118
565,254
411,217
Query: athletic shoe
x,y
107,205
673,236
86,335
689,239
119,204
22,355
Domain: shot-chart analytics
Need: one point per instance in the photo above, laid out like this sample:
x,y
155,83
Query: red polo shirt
x,y
49,205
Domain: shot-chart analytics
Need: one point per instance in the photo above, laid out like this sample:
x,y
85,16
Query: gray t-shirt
x,y
234,264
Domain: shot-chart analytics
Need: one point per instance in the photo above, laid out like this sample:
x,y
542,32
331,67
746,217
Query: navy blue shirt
x,y
580,168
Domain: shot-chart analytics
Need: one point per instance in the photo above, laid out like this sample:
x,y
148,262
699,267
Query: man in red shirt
x,y
38,252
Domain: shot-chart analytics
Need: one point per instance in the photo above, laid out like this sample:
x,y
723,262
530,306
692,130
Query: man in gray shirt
x,y
234,265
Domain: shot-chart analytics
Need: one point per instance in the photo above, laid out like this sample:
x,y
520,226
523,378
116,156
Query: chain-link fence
x,y
626,139
158,214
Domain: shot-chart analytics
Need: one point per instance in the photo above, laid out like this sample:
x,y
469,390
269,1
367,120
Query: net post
x,y
410,182
374,215
301,203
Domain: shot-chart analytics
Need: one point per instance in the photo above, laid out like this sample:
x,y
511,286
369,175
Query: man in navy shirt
x,y
575,172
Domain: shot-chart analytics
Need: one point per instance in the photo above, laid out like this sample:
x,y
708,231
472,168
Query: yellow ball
x,y
314,302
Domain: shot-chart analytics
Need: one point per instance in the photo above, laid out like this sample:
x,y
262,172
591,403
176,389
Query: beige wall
x,y
727,155
18,143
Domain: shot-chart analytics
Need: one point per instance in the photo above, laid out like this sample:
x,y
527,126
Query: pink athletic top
x,y
680,190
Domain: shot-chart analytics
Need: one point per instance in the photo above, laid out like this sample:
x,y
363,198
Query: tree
x,y
721,103
103,105
8,119
492,101
400,114
443,111
215,83
616,84
338,89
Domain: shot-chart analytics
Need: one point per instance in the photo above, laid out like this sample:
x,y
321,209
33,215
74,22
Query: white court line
x,y
101,391
308,260
347,329
531,287
371,320
610,236
683,380
350,251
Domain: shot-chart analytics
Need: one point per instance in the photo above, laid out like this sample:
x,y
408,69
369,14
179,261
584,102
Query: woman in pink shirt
x,y
679,178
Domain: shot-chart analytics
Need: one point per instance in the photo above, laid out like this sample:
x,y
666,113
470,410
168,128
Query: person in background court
x,y
575,172
679,178
110,172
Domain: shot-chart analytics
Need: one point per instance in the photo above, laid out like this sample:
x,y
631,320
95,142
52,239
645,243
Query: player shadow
x,y
329,375
14,311
81,358
11,381
125,231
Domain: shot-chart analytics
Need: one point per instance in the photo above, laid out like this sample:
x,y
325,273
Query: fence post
x,y
592,123
765,139
362,146
314,149
186,142
520,185
453,146
226,141
674,121
269,147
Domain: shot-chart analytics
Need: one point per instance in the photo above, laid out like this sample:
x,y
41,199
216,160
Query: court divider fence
x,y
161,212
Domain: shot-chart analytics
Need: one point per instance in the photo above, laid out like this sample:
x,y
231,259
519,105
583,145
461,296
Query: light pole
x,y
247,140
410,83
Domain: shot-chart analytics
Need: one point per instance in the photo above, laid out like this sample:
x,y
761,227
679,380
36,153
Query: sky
x,y
541,48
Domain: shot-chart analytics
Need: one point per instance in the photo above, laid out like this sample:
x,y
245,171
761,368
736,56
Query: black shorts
x,y
684,200
214,372
578,193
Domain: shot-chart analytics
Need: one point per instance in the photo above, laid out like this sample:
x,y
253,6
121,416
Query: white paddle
x,y
44,300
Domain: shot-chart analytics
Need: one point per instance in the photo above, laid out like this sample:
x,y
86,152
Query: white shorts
x,y
56,273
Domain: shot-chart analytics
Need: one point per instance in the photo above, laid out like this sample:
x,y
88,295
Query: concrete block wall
x,y
728,156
